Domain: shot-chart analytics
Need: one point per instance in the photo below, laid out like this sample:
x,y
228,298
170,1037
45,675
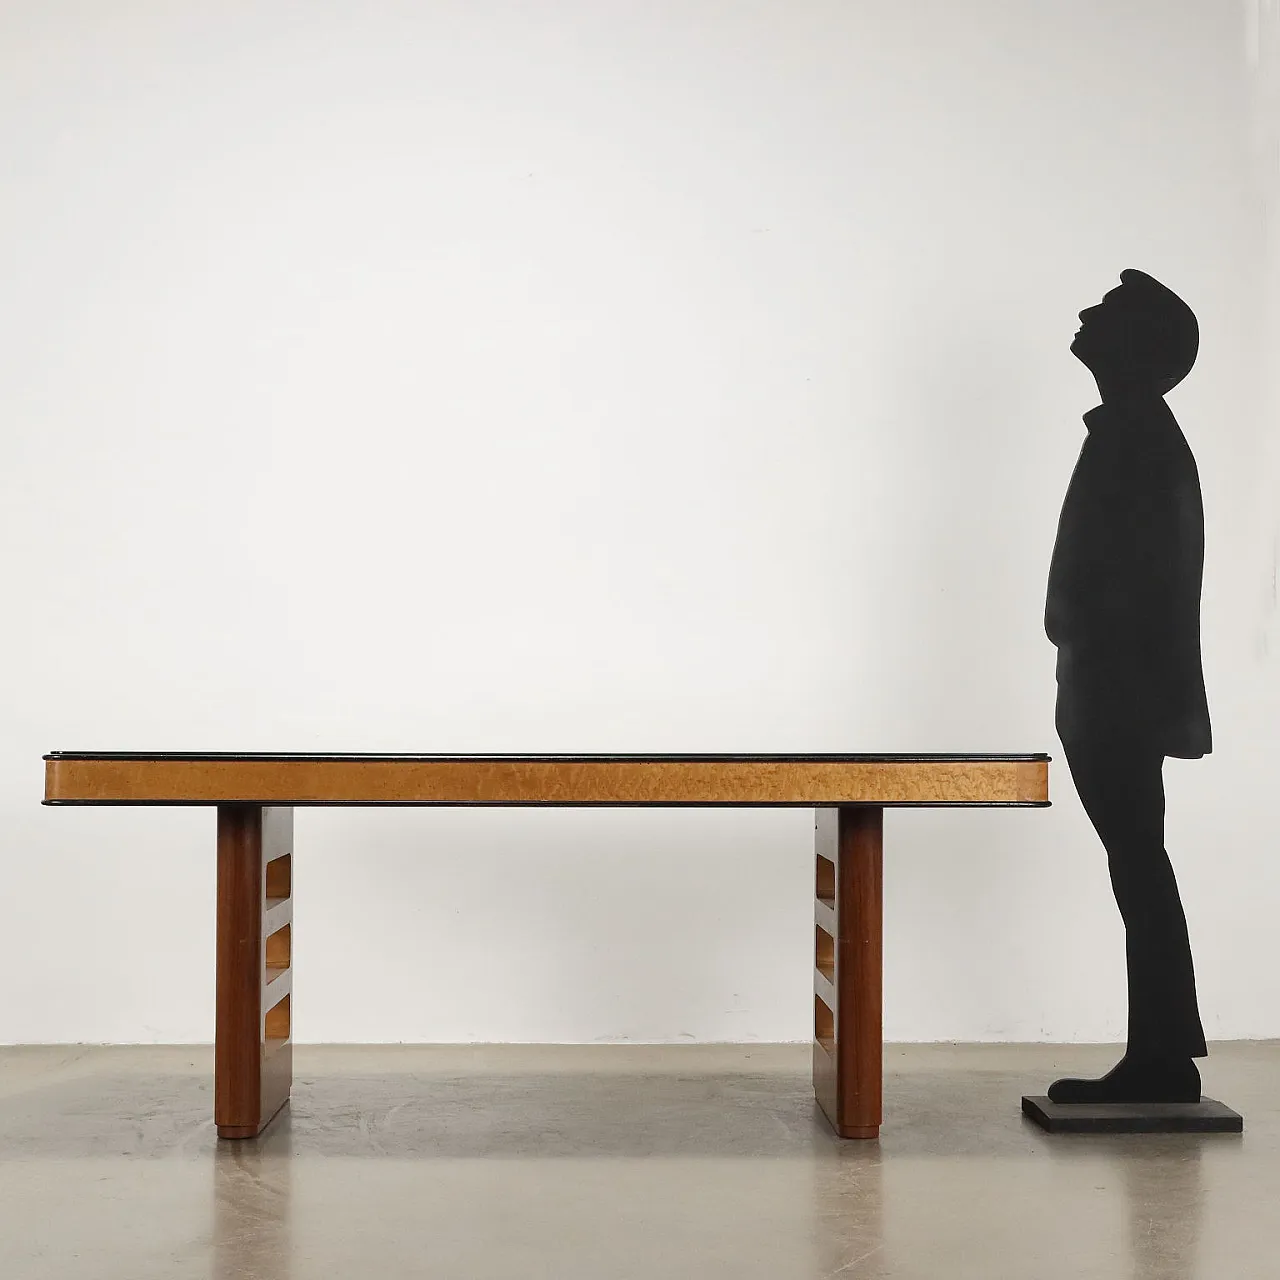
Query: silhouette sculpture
x,y
1123,609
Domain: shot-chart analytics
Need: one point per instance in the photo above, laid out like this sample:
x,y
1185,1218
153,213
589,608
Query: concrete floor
x,y
689,1161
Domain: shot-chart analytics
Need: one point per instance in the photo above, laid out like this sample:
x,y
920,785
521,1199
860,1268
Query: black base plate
x,y
1205,1116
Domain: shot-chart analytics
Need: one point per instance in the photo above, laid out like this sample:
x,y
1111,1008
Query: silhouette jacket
x,y
1123,602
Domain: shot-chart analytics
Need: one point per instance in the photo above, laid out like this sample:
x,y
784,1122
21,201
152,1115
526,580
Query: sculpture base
x,y
1205,1116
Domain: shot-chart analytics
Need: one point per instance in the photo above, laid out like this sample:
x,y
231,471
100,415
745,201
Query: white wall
x,y
599,377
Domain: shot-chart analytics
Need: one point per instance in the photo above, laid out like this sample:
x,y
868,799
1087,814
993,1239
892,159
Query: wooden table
x,y
255,796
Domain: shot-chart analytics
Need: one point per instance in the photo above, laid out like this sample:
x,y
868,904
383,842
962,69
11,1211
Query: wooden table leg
x,y
848,1048
253,1048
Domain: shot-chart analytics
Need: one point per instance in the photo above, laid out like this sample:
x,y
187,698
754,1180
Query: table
x,y
255,795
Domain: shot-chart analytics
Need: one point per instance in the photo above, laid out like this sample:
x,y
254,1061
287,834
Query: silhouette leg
x,y
1122,790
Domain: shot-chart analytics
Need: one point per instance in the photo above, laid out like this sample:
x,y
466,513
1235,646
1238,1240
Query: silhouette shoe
x,y
1135,1080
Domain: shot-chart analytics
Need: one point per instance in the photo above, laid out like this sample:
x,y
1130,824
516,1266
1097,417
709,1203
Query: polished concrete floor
x,y
689,1161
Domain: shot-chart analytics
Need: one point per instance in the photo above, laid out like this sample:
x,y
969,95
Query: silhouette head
x,y
1141,338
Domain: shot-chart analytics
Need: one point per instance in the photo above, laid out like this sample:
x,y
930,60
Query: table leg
x,y
848,1048
253,1048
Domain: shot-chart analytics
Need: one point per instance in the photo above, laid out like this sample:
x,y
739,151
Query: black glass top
x,y
835,758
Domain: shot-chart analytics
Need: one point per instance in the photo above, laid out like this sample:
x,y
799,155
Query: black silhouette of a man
x,y
1123,609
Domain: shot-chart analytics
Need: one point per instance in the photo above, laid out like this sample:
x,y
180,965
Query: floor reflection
x,y
253,1205
1164,1203
848,1210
